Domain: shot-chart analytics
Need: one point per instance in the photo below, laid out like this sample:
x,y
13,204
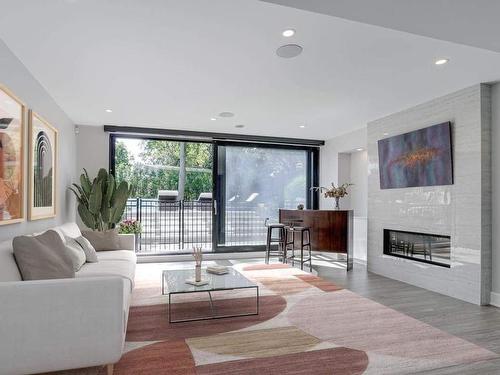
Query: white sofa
x,y
51,325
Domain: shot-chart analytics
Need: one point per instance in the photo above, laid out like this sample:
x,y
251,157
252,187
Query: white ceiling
x,y
176,64
471,22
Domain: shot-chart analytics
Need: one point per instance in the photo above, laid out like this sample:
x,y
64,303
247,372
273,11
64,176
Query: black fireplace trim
x,y
387,243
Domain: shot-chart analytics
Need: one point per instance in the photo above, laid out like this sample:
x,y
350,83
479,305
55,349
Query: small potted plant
x,y
336,192
131,227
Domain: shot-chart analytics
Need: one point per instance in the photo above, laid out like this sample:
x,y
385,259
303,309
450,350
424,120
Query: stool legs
x,y
281,244
302,250
309,249
305,244
280,241
268,244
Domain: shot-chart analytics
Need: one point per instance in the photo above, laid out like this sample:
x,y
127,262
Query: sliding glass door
x,y
252,183
216,195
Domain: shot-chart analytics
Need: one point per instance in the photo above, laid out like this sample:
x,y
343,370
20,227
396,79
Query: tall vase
x,y
197,273
337,203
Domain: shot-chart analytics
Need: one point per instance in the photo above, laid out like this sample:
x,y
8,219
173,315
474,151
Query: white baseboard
x,y
495,299
360,261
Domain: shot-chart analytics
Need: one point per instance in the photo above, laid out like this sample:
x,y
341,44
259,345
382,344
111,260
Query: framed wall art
x,y
12,124
42,168
422,157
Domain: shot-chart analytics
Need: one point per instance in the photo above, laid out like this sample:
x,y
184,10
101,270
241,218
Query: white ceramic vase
x,y
197,274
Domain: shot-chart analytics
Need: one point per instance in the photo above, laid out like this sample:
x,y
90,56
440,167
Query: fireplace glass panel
x,y
423,247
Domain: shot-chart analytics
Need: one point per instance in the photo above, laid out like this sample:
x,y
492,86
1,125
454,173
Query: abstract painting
x,y
420,158
42,168
11,158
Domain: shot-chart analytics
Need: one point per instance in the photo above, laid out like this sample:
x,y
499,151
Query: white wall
x,y
92,149
495,165
19,80
359,177
344,177
358,197
340,162
329,159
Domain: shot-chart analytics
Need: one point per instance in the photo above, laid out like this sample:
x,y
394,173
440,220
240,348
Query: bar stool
x,y
305,243
280,240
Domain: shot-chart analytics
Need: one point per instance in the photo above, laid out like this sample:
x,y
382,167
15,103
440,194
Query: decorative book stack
x,y
217,270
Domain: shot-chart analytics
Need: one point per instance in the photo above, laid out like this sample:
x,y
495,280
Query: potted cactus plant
x,y
101,201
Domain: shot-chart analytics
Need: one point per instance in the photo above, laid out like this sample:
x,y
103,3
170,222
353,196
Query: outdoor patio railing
x,y
180,225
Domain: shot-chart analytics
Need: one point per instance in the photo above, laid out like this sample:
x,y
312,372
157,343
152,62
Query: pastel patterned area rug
x,y
306,325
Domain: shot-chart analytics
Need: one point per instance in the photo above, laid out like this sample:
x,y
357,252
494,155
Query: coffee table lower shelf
x,y
212,308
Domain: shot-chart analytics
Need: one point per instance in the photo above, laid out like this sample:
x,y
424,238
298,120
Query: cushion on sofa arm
x,y
103,241
43,257
76,252
88,249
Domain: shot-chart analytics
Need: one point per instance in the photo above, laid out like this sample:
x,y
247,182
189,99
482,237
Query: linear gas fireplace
x,y
422,247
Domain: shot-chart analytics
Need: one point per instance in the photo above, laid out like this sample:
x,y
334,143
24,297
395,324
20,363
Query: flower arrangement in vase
x,y
336,192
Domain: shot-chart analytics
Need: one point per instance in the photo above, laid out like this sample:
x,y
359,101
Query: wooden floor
x,y
477,324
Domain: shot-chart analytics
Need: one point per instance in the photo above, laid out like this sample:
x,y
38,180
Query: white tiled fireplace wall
x,y
461,210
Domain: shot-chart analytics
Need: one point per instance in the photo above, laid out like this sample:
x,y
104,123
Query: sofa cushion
x,y
109,268
69,230
76,252
103,241
123,255
88,249
42,257
8,266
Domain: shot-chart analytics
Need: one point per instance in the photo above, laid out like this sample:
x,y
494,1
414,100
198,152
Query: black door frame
x,y
218,217
217,210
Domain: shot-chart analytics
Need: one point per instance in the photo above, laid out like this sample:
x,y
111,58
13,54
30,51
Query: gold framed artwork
x,y
12,124
42,168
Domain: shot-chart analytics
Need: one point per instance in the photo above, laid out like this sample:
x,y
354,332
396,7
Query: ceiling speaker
x,y
289,50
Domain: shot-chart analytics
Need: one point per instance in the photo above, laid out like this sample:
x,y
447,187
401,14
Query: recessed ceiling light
x,y
239,126
226,114
109,110
213,119
359,149
289,50
288,33
302,126
441,61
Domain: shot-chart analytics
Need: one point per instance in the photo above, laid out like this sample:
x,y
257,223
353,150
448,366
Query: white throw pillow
x,y
75,252
89,250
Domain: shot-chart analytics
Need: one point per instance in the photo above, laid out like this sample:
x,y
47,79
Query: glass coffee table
x,y
174,282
